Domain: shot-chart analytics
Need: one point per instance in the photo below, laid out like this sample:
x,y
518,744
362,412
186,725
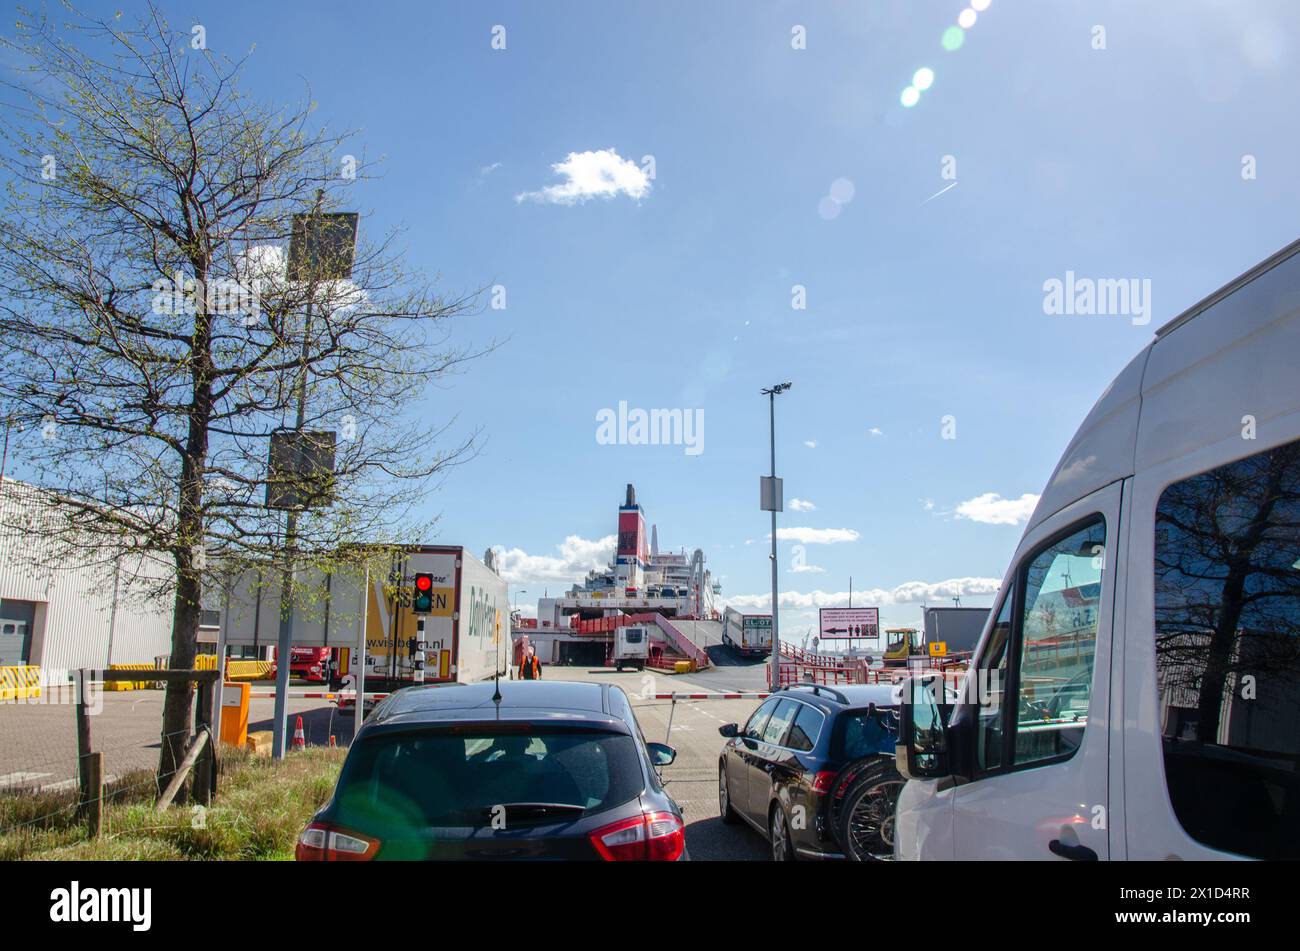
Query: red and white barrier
x,y
351,697
709,696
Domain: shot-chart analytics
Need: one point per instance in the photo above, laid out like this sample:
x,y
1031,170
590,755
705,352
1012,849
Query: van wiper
x,y
534,810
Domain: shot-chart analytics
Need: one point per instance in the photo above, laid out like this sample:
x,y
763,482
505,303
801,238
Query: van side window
x,y
1057,645
992,674
1227,641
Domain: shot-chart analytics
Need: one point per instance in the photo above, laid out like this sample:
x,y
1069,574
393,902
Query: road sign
x,y
938,649
770,494
849,623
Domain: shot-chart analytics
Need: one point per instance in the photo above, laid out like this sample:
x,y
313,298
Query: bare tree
x,y
154,334
1225,582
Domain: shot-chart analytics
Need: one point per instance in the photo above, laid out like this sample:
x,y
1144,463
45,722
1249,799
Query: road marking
x,y
70,784
10,778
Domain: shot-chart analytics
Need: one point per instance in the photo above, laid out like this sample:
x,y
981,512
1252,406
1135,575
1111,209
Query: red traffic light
x,y
423,582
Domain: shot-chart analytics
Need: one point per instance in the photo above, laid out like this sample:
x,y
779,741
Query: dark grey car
x,y
520,770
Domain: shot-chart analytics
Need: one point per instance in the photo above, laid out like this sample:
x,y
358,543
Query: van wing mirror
x,y
923,746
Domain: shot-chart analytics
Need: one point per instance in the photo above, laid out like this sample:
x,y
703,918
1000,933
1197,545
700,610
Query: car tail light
x,y
321,842
824,781
651,837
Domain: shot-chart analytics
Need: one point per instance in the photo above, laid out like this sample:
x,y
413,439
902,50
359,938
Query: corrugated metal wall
x,y
73,629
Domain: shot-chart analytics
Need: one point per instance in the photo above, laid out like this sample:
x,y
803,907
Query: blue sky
x,y
1123,162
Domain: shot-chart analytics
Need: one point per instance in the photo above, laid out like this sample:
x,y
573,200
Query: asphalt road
x,y
38,744
693,779
38,739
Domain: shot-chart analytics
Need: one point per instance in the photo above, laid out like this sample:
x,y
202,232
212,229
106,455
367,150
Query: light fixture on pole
x,y
322,247
770,500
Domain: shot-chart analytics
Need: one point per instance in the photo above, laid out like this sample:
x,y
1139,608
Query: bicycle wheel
x,y
865,826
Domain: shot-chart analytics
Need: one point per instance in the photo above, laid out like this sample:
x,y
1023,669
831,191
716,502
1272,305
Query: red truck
x,y
306,663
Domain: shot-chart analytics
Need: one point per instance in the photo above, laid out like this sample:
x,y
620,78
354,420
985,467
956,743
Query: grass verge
x,y
261,807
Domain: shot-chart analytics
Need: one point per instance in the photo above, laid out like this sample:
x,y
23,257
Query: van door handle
x,y
1077,853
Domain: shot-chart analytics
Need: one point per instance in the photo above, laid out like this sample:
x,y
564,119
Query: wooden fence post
x,y
205,770
82,713
95,800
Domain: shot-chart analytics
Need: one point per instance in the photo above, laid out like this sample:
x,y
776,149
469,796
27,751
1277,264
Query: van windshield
x,y
445,779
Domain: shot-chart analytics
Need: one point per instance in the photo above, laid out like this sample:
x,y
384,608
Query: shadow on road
x,y
318,724
708,840
722,656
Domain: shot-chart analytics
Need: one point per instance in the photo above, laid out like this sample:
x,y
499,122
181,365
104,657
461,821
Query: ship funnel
x,y
631,495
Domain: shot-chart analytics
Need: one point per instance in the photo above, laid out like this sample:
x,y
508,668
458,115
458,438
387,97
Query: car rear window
x,y
860,733
455,779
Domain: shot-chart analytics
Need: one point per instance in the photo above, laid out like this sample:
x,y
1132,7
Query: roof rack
x,y
817,689
1235,284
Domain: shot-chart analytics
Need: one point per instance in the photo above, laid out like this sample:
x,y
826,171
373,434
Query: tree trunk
x,y
178,700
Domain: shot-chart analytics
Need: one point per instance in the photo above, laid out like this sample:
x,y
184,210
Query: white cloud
x,y
801,569
810,443
992,509
876,431
487,170
603,174
801,505
911,592
577,556
816,536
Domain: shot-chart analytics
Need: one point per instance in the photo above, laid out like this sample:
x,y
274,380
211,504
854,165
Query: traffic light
x,y
422,603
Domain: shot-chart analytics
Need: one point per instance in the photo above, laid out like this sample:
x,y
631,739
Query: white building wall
x,y
83,618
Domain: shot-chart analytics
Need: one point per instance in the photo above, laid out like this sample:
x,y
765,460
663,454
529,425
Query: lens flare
x,y
966,19
923,79
953,38
910,97
979,6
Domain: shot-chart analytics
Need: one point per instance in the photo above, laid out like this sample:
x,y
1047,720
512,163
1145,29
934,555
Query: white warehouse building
x,y
78,615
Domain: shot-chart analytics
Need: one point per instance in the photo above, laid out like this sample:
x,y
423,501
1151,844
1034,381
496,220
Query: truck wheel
x,y
729,815
865,822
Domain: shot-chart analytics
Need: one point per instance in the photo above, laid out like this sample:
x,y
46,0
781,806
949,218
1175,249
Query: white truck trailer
x,y
747,634
465,611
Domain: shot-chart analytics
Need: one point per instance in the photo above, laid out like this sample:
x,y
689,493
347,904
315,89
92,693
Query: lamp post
x,y
321,249
771,500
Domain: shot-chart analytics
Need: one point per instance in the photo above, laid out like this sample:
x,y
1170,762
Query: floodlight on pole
x,y
321,249
771,500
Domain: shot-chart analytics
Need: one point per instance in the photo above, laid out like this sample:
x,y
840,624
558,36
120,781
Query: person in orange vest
x,y
531,668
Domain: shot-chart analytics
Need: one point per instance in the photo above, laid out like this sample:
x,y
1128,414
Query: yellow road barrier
x,y
248,670
20,683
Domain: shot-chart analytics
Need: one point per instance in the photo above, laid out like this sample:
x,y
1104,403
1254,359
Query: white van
x,y
1136,691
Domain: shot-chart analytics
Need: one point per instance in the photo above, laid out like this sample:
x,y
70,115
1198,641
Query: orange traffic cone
x,y
299,739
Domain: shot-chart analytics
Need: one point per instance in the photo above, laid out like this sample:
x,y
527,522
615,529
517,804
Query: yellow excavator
x,y
901,643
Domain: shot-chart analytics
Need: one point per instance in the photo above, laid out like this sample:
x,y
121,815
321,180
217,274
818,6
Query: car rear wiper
x,y
534,810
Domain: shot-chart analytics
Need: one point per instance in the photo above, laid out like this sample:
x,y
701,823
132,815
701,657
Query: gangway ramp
x,y
688,637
